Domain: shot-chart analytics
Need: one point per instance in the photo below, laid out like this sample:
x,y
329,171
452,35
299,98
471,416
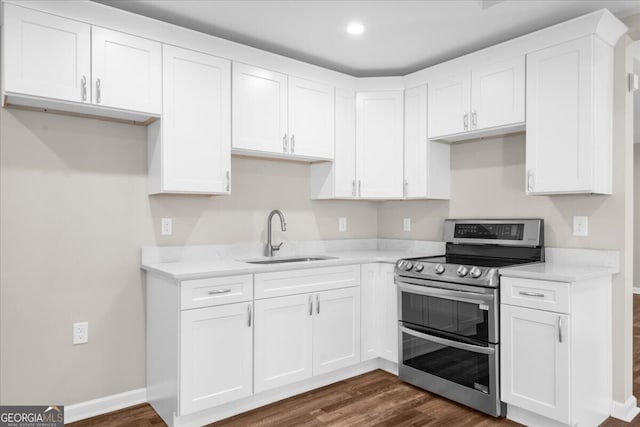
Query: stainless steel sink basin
x,y
292,259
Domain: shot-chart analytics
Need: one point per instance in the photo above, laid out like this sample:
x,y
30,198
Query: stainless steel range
x,y
448,308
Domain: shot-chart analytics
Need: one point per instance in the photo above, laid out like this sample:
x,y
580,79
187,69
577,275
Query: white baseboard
x,y
625,411
91,408
636,290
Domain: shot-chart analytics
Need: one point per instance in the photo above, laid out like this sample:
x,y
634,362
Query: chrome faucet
x,y
270,248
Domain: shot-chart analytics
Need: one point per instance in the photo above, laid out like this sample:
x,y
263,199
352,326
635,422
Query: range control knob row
x,y
462,271
475,272
439,268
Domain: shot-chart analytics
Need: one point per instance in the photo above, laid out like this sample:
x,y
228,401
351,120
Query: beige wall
x,y
73,215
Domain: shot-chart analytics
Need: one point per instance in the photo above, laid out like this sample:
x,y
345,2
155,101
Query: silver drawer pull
x,y
317,304
219,291
249,315
310,305
559,329
532,294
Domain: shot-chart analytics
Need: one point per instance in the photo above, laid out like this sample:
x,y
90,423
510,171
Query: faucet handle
x,y
276,247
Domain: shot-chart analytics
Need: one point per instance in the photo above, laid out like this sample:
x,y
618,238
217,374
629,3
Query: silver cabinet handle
x,y
84,88
228,181
293,143
359,188
559,329
249,315
219,291
98,92
529,181
465,119
285,146
317,304
532,294
405,188
353,188
310,305
474,119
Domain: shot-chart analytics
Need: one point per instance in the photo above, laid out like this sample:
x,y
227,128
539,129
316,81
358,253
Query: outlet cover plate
x,y
581,226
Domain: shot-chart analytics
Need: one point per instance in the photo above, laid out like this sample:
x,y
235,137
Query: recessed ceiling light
x,y
355,28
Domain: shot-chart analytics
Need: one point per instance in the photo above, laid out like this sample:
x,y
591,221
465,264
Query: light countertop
x,y
557,272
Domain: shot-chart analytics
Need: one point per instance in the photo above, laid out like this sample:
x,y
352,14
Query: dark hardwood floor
x,y
373,399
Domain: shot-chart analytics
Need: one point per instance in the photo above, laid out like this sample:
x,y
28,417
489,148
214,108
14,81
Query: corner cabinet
x,y
379,312
486,100
190,147
555,360
275,115
569,118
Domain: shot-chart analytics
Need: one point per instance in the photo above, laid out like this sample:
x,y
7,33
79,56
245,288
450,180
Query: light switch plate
x,y
581,226
406,224
342,224
166,226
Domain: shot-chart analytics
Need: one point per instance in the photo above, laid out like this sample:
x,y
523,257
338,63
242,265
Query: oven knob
x,y
462,271
408,265
439,269
475,272
418,267
400,263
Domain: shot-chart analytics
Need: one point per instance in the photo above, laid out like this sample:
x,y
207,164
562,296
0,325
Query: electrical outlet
x,y
580,226
342,224
80,333
406,224
166,226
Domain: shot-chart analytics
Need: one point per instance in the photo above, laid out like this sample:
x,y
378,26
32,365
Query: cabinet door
x,y
336,330
215,356
196,122
415,142
311,119
126,71
559,139
379,144
283,340
369,313
449,102
497,94
535,361
388,314
46,55
259,110
344,163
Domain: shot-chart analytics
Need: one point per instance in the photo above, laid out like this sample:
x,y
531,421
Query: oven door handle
x,y
449,343
463,296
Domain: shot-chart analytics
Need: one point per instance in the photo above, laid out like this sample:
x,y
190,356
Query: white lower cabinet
x,y
379,312
299,336
216,350
555,360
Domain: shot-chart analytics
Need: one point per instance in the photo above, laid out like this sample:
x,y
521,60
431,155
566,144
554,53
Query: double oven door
x,y
448,341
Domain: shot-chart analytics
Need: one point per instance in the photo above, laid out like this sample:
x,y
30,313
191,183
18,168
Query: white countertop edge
x,y
557,272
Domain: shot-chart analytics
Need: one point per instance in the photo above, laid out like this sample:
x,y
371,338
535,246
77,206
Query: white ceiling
x,y
400,36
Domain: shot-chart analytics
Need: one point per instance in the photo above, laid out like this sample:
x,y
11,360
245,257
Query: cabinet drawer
x,y
216,291
282,283
539,294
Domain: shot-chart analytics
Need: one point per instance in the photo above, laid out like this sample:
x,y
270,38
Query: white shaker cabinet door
x,y
559,123
216,356
126,71
497,94
259,110
535,361
336,330
448,109
416,165
45,55
344,163
311,119
283,341
196,122
388,314
379,144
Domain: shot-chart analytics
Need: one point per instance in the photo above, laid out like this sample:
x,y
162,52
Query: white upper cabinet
x,y
311,118
126,71
379,144
191,152
426,163
279,116
45,55
259,110
487,100
569,118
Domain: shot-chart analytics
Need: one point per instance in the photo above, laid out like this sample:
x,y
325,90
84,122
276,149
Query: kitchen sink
x,y
292,259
